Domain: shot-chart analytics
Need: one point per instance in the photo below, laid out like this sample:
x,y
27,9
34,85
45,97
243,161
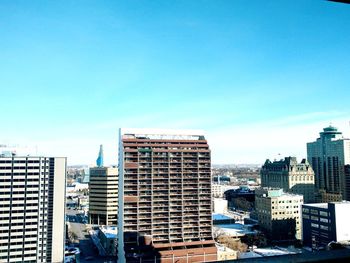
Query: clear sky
x,y
260,77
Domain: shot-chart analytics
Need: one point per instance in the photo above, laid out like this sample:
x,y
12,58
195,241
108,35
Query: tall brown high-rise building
x,y
164,197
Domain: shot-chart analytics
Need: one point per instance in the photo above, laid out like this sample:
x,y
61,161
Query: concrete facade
x,y
165,200
32,207
279,213
220,205
103,196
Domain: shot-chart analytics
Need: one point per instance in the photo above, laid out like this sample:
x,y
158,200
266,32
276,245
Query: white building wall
x,y
342,211
220,205
58,228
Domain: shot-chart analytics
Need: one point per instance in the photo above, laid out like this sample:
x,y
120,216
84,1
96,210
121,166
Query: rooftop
x,y
109,231
325,205
236,229
170,134
221,217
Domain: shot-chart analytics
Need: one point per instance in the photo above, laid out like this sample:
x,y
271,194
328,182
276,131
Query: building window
x,y
306,210
315,218
324,227
314,212
323,220
323,213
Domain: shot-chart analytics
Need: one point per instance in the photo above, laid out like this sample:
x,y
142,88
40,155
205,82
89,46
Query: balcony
x,y
143,223
155,216
142,200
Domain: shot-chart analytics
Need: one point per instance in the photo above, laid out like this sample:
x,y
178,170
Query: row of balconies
x,y
165,195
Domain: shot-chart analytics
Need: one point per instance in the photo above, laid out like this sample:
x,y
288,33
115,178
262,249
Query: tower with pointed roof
x,y
99,161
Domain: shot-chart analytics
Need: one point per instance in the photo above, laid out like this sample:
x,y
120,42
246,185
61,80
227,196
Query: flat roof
x,y
149,131
235,229
325,205
109,231
319,205
221,217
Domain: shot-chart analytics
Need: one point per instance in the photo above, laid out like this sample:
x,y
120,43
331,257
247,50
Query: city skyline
x,y
261,79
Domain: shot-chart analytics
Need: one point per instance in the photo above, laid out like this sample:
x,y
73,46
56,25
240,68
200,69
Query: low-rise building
x,y
279,213
108,239
225,253
324,223
241,199
218,190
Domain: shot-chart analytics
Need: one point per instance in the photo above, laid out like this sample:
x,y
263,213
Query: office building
x,y
324,223
164,197
103,196
347,181
32,204
279,213
103,193
291,176
328,155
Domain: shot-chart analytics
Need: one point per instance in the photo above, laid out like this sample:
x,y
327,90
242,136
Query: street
x,y
88,251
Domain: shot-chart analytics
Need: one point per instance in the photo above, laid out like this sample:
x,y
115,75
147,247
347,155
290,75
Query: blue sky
x,y
260,77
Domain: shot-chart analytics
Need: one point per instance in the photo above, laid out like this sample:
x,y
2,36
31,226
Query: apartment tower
x,y
328,156
164,197
32,203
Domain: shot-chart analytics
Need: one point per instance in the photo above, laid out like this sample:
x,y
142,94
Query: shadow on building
x,y
281,231
307,190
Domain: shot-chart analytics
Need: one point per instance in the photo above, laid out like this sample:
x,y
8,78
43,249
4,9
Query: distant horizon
x,y
278,154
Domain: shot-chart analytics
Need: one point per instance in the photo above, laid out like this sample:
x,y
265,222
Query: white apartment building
x,y
32,204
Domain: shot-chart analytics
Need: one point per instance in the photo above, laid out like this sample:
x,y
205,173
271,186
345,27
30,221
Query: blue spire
x,y
99,161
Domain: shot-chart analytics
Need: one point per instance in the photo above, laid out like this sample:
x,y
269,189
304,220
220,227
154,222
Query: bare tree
x,y
233,243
